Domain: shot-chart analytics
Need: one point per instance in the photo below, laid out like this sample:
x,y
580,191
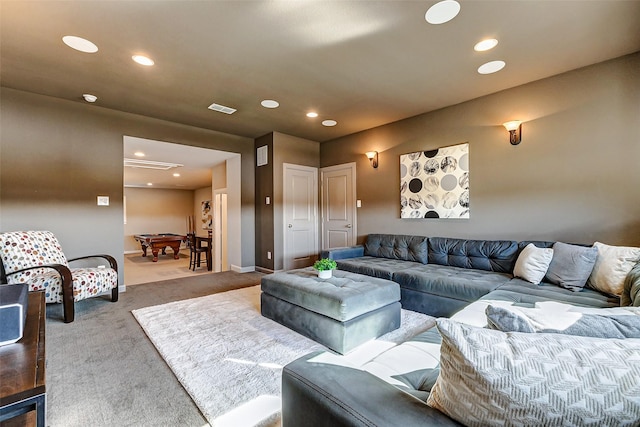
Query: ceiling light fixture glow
x,y
149,184
312,114
138,154
329,123
143,60
485,45
78,43
442,12
270,103
176,175
491,67
89,98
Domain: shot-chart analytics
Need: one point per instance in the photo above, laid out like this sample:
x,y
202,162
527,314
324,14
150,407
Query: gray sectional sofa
x,y
440,277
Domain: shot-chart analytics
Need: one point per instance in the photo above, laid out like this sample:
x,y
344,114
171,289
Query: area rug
x,y
229,358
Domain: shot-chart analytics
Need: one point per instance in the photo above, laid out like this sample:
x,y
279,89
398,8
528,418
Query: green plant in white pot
x,y
325,266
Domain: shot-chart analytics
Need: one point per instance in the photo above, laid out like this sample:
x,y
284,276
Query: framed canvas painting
x,y
435,183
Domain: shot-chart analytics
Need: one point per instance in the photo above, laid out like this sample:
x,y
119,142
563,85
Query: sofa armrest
x,y
90,260
320,394
343,253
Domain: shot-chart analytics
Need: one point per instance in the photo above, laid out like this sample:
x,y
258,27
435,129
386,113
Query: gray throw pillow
x,y
490,378
571,265
584,325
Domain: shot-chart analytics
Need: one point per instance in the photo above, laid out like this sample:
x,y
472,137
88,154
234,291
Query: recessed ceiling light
x,y
138,154
176,175
312,114
485,45
442,12
89,98
149,184
143,60
78,43
270,103
329,123
491,67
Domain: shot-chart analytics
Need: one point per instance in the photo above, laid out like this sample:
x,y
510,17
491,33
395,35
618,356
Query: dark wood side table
x,y
22,370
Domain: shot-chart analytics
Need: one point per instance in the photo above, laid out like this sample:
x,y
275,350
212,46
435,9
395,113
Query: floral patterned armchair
x,y
36,258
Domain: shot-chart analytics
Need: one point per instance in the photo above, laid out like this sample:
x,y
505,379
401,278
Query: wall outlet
x,y
268,255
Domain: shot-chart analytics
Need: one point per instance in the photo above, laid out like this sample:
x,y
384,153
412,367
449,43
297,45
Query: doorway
x,y
182,178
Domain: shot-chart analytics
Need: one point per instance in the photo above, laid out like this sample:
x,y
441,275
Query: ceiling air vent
x,y
148,164
222,108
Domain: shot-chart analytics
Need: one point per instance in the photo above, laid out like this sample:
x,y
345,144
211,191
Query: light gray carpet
x,y
102,370
230,358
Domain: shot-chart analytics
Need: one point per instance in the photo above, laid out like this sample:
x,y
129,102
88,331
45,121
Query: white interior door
x,y
300,207
339,206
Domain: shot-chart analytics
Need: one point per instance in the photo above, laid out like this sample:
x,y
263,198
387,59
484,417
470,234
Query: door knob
x,y
348,225
290,225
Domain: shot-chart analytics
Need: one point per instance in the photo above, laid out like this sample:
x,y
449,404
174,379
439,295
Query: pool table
x,y
159,242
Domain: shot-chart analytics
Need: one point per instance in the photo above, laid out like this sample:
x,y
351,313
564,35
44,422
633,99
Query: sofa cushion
x,y
451,282
612,266
548,319
411,365
571,265
488,255
532,263
489,377
397,246
375,267
523,292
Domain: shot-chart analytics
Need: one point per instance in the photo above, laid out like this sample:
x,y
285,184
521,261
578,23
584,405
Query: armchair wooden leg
x,y
67,305
67,296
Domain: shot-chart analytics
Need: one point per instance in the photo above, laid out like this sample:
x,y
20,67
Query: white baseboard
x,y
243,269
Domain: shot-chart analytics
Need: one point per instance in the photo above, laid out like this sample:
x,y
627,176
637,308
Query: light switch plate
x,y
358,203
103,200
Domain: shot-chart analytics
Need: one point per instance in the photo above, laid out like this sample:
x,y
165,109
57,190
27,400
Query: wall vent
x,y
222,108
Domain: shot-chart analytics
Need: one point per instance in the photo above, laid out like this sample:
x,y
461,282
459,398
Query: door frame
x,y
352,167
285,168
219,242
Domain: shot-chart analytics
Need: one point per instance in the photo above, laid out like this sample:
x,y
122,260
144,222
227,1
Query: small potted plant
x,y
324,267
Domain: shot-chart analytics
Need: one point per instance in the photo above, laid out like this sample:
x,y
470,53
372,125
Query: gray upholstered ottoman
x,y
340,313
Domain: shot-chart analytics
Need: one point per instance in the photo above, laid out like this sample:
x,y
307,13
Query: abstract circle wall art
x,y
435,183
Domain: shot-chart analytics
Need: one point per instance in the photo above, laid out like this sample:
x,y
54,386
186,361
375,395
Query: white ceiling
x,y
195,171
361,63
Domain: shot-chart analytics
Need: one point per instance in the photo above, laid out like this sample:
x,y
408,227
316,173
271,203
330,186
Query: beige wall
x,y
57,156
151,211
575,177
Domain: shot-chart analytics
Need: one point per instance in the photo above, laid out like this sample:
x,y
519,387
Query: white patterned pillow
x,y
613,263
489,378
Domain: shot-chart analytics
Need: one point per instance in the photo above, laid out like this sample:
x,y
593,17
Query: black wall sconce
x,y
373,158
515,131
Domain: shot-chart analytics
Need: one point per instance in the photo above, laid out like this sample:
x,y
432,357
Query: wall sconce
x,y
373,158
515,131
